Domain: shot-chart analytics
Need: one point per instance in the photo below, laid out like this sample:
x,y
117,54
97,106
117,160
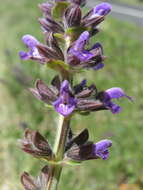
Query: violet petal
x,y
102,9
66,102
30,41
101,148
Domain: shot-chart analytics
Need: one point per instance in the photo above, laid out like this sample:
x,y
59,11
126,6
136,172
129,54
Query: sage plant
x,y
67,33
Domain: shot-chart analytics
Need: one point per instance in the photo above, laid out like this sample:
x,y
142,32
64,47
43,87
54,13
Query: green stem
x,y
55,170
62,132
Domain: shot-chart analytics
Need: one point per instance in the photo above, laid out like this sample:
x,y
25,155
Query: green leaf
x,y
57,65
59,37
49,106
61,40
73,163
58,10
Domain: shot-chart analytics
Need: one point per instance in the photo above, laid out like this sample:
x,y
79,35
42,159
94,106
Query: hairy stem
x,y
59,148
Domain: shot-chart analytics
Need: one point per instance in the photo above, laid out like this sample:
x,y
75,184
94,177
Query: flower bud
x,y
72,16
38,183
96,15
50,25
49,53
43,92
35,144
52,42
46,8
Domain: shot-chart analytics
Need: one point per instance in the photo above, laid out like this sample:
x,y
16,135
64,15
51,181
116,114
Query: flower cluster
x,y
81,98
77,148
77,55
67,33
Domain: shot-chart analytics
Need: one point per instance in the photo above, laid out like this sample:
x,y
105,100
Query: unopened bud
x,y
50,25
52,42
46,8
35,144
49,53
38,183
72,16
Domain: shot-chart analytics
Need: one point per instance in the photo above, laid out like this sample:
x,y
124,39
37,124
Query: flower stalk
x,y
62,132
59,148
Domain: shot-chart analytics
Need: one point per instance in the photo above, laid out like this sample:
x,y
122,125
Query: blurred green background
x,y
123,44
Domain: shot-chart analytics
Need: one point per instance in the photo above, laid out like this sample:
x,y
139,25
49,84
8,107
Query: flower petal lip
x,y
115,109
112,93
102,9
30,41
83,56
81,41
101,148
24,56
64,87
63,109
78,48
66,102
116,93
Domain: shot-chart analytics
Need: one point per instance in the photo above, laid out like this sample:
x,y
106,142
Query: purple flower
x,y
31,42
100,149
88,58
66,102
113,93
78,48
101,10
86,150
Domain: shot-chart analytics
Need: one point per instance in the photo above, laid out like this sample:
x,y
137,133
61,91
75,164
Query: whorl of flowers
x,y
67,33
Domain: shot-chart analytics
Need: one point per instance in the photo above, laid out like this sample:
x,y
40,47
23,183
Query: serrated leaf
x,y
58,9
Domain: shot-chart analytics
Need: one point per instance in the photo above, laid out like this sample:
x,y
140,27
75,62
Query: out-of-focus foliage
x,y
128,2
123,44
